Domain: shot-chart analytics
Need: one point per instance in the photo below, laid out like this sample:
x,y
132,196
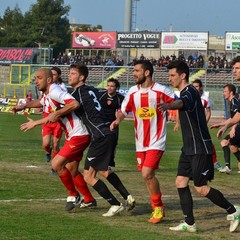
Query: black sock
x,y
227,155
237,155
186,204
117,184
218,199
104,192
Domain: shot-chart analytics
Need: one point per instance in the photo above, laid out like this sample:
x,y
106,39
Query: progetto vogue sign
x,y
184,40
138,40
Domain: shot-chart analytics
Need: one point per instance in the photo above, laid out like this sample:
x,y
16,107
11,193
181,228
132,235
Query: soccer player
x,y
102,144
195,161
197,83
236,118
150,128
111,101
66,162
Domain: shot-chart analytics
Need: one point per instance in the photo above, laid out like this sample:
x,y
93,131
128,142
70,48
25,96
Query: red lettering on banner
x,y
16,54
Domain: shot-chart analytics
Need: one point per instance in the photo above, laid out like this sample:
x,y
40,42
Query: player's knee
x,y
202,190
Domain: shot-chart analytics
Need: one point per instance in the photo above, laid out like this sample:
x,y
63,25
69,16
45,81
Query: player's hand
x,y
162,107
17,108
215,126
176,127
53,117
113,125
221,131
28,125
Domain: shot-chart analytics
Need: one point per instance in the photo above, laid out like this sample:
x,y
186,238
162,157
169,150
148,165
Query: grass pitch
x,y
32,200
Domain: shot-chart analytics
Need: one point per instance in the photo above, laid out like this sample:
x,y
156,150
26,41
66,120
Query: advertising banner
x,y
138,40
232,41
16,55
184,40
94,40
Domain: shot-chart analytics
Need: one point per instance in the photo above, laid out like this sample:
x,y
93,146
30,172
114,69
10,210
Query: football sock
x,y
117,184
67,181
214,155
186,203
156,200
218,199
227,154
104,192
54,153
237,155
82,187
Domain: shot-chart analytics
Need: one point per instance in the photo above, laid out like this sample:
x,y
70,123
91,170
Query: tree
x,y
12,25
44,25
49,25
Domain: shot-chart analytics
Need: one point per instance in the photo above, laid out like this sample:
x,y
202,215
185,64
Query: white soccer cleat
x,y
226,169
113,210
234,219
184,227
130,202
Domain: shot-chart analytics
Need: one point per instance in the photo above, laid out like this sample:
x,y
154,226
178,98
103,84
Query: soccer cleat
x,y
218,166
113,210
226,169
157,215
234,219
184,227
72,202
130,203
48,157
88,204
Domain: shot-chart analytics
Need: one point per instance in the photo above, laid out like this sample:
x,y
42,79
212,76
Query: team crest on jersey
x,y
109,102
146,113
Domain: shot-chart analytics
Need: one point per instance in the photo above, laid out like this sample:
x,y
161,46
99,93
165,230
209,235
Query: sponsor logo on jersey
x,y
146,113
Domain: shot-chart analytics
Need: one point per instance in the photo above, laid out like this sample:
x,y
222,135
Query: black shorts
x,y
235,141
198,168
100,153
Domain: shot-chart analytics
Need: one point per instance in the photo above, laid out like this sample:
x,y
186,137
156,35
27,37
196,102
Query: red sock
x,y
82,187
214,155
156,200
67,181
54,154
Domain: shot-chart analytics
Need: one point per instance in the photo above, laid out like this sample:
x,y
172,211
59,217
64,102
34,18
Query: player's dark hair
x,y
181,67
146,65
82,69
115,81
199,82
235,60
231,88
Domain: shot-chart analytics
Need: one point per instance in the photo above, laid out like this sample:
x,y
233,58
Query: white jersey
x,y
205,100
56,98
149,121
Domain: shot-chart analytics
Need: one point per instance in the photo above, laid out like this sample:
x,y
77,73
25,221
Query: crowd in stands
x,y
193,61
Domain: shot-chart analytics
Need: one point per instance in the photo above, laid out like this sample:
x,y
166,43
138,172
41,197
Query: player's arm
x,y
177,123
33,123
70,105
119,117
208,114
230,122
177,104
33,104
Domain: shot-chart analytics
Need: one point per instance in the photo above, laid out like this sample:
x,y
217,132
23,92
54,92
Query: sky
x,y
214,16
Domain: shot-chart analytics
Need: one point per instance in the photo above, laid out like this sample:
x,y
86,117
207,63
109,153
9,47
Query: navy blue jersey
x,y
196,137
90,111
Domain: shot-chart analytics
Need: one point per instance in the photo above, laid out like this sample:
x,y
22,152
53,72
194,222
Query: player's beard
x,y
141,80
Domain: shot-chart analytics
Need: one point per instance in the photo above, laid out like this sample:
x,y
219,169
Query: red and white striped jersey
x,y
149,121
205,101
57,98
